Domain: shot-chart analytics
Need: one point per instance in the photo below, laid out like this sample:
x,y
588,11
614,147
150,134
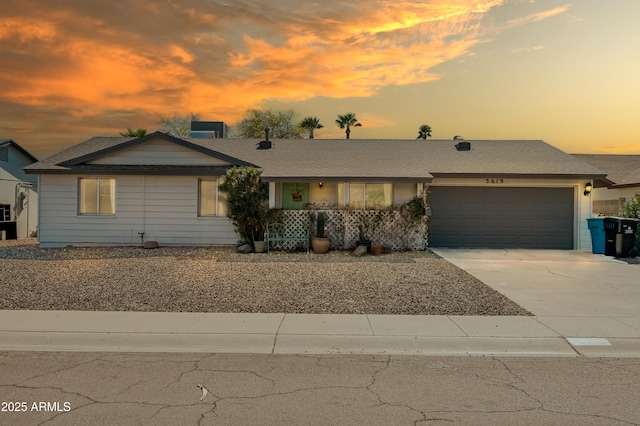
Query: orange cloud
x,y
90,63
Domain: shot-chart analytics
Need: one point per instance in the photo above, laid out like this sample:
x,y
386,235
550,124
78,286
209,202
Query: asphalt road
x,y
56,388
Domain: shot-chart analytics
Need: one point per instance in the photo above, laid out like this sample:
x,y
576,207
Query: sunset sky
x,y
567,73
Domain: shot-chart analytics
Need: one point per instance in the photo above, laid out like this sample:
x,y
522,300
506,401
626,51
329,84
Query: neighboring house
x,y
482,193
209,129
621,185
18,192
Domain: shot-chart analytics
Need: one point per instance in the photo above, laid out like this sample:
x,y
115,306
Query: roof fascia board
x,y
519,176
625,185
205,172
376,179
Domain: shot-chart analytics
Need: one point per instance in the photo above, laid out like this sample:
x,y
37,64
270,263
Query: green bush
x,y
247,201
631,209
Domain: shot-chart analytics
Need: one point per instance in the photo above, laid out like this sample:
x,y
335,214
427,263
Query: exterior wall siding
x,y
159,153
164,208
12,169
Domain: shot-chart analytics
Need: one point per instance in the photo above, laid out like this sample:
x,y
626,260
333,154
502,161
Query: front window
x,y
212,201
97,196
367,195
378,195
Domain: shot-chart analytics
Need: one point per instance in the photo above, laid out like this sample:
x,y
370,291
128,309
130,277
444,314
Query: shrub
x,y
247,201
631,209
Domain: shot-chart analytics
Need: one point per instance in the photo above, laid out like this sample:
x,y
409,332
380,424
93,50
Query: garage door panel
x,y
545,225
526,226
501,217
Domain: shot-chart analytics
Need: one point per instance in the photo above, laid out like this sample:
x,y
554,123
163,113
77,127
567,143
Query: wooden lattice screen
x,y
342,227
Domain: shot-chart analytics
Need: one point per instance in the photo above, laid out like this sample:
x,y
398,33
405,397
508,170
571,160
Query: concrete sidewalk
x,y
584,305
314,334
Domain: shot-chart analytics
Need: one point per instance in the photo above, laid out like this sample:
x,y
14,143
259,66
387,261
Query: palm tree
x,y
424,132
133,133
347,121
310,124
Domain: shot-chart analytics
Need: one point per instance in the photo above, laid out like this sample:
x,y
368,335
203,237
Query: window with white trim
x,y
211,201
96,196
366,195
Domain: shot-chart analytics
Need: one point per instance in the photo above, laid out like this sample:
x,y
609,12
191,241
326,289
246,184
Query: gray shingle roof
x,y
415,160
621,170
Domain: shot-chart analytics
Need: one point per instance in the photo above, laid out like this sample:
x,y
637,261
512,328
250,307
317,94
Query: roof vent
x,y
463,146
266,143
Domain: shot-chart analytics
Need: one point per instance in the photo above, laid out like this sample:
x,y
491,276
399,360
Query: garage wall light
x,y
587,188
321,184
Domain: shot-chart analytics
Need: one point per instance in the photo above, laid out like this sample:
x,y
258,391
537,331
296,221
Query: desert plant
x,y
320,225
247,200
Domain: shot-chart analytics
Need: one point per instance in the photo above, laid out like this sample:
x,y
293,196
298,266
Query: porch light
x,y
587,188
321,184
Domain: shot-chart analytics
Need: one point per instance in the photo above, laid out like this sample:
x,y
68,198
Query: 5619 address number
x,y
495,181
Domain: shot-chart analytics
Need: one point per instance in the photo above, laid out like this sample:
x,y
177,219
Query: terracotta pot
x,y
376,249
320,245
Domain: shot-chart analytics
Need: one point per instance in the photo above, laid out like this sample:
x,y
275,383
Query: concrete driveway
x,y
579,295
556,282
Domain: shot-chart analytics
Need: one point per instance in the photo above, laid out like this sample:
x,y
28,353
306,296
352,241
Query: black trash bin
x,y
620,234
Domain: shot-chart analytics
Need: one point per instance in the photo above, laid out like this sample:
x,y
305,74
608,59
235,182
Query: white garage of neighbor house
x,y
18,192
481,193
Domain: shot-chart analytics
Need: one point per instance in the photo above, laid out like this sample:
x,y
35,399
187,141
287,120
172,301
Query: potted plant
x,y
320,243
376,249
296,195
259,244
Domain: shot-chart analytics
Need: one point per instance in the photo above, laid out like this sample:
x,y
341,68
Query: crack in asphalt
x,y
373,380
543,408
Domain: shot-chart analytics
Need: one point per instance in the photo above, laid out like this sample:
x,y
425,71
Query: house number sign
x,y
494,180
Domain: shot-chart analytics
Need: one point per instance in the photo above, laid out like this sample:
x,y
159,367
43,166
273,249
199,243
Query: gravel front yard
x,y
194,279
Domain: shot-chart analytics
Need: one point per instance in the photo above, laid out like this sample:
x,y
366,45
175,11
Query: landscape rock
x,y
217,279
244,248
150,245
360,250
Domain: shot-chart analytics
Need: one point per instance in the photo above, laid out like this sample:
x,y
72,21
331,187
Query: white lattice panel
x,y
342,227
